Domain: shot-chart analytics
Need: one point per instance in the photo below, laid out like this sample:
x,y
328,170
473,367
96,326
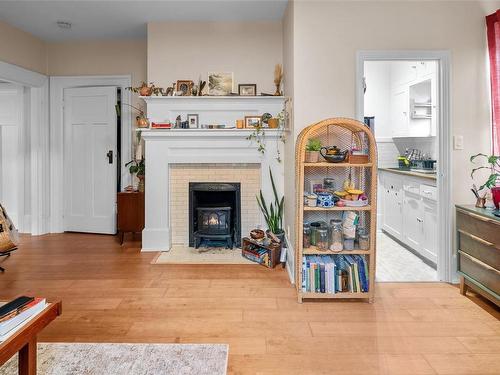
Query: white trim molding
x,y
57,86
446,255
38,121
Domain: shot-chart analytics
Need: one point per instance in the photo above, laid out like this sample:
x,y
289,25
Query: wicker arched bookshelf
x,y
343,133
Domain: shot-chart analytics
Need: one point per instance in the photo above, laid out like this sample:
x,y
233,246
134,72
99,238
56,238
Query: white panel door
x,y
90,172
12,151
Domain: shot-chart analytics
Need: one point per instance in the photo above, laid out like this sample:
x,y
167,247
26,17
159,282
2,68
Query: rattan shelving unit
x,y
341,132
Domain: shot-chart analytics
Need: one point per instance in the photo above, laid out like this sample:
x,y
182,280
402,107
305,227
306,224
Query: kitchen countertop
x,y
430,176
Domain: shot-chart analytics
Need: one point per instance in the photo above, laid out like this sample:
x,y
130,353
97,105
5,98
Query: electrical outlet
x,y
458,142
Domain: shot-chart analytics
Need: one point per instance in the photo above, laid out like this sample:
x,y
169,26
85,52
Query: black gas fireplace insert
x,y
214,214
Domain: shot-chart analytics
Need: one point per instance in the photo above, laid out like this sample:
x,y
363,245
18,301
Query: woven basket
x,y
9,237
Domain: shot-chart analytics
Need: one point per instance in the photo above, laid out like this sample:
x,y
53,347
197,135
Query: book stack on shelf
x,y
335,274
16,313
336,218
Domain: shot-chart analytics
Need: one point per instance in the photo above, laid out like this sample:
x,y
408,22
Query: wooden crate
x,y
273,251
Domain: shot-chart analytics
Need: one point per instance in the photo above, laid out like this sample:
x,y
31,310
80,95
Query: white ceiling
x,y
126,19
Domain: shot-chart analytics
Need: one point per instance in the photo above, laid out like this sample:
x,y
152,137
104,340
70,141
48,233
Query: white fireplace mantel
x,y
199,146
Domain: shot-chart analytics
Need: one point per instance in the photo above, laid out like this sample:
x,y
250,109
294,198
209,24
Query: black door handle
x,y
110,156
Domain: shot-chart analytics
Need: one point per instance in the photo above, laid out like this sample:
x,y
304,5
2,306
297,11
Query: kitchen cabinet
x,y
399,112
392,221
429,229
412,220
410,212
413,109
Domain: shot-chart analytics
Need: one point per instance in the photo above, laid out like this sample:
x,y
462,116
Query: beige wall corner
x,y
22,49
188,50
110,57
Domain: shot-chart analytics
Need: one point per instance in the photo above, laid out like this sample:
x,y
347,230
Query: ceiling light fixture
x,y
64,24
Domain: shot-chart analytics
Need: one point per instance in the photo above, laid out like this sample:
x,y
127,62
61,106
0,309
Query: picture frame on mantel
x,y
247,89
252,122
220,84
193,121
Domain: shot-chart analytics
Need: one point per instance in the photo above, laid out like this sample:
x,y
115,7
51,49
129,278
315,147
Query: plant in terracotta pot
x,y
493,181
273,214
312,150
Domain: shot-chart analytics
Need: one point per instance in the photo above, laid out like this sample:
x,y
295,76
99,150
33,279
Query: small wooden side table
x,y
130,209
24,341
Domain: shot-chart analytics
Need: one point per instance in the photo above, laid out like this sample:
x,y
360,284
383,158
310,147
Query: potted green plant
x,y
493,180
273,214
312,150
138,167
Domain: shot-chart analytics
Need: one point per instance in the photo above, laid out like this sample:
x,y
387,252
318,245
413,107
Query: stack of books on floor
x,y
334,274
14,314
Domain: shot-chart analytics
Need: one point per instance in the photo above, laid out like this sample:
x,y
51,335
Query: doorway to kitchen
x,y
401,99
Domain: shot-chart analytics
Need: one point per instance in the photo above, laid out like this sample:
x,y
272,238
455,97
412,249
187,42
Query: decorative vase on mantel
x,y
140,186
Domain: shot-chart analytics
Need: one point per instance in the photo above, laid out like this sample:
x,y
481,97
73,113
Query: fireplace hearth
x,y
214,214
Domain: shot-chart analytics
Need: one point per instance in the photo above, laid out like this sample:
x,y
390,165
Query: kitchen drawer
x,y
428,192
479,226
412,187
480,272
480,249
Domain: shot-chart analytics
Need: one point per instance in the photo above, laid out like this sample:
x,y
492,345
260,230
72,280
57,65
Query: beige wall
x,y
328,34
20,48
188,50
112,57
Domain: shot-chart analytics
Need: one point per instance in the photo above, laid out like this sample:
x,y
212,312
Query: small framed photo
x,y
252,121
192,121
315,185
247,89
185,86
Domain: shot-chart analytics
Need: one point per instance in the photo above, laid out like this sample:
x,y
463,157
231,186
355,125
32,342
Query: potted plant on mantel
x,y
273,214
493,181
312,150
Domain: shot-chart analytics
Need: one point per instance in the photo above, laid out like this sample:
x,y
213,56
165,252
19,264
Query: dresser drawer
x,y
480,249
478,226
479,271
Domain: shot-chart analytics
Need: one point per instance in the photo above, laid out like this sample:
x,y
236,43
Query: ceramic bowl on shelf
x,y
333,154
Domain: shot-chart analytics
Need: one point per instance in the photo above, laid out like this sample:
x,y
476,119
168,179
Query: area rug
x,y
189,255
131,359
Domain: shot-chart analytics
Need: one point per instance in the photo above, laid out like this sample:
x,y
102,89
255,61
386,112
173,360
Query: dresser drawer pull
x,y
486,243
479,262
479,217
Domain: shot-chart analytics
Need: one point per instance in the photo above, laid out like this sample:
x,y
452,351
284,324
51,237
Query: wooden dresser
x,y
478,243
130,210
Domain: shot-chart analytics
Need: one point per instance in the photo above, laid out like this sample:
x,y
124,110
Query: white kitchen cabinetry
x,y
392,219
409,212
413,110
412,219
399,112
429,229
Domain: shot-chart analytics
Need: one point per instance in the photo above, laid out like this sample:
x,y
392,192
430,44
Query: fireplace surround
x,y
214,213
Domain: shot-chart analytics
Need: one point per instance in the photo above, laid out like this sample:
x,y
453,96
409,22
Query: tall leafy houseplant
x,y
273,213
493,180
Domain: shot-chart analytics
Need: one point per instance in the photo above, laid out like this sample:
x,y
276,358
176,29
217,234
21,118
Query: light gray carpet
x,y
130,359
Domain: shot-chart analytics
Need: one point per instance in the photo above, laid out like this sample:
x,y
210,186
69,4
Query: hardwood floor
x,y
113,294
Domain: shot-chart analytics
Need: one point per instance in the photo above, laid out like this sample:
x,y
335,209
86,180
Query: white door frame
x,y
57,86
446,259
38,86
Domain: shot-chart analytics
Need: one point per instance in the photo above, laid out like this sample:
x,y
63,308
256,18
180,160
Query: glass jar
x,y
329,184
322,239
306,237
314,228
336,236
364,241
